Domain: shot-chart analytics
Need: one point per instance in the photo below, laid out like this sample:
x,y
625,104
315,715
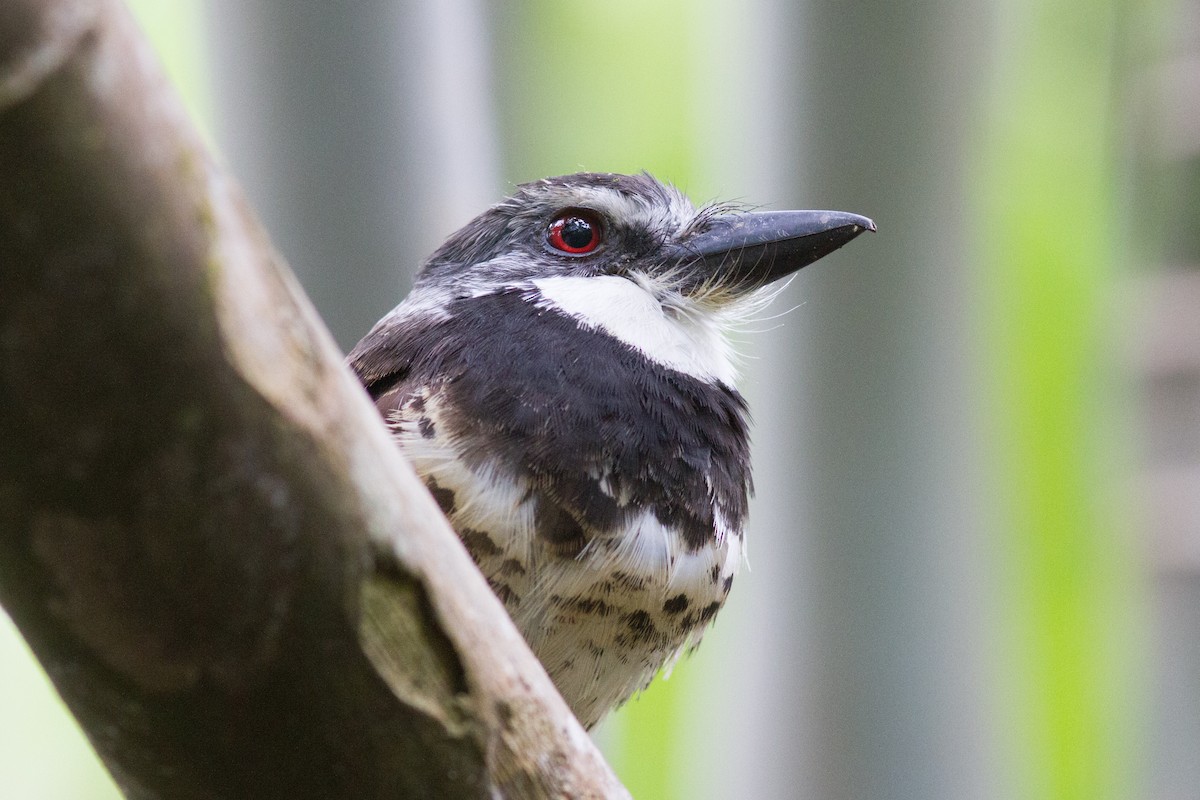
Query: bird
x,y
561,378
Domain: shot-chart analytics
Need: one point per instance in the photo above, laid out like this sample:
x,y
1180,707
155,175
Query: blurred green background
x,y
975,552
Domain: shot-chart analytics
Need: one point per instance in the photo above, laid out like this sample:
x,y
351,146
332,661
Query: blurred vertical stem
x,y
1051,244
606,87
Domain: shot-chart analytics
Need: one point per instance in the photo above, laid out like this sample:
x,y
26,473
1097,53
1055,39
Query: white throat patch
x,y
693,344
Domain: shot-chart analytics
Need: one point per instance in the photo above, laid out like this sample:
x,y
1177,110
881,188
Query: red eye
x,y
574,232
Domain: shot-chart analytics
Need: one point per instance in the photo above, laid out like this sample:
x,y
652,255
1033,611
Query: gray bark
x,y
193,489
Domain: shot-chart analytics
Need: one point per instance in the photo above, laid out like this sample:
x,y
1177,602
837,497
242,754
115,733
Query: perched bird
x,y
561,380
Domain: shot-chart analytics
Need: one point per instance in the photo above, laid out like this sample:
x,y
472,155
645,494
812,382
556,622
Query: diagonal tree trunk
x,y
193,490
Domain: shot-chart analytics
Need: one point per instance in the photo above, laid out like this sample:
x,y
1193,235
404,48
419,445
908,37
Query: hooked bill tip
x,y
858,222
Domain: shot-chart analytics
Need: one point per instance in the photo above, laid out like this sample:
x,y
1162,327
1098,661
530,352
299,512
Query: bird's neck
x,y
689,341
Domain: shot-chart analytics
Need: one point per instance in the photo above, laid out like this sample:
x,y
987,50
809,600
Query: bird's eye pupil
x,y
575,233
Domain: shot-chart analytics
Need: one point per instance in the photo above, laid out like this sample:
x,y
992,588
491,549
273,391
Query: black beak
x,y
750,250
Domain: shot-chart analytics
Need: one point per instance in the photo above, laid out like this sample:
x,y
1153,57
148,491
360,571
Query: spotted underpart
x,y
595,583
599,480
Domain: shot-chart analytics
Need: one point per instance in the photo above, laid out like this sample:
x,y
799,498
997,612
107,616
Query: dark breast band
x,y
600,431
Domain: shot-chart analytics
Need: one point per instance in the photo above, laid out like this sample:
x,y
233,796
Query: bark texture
x,y
194,492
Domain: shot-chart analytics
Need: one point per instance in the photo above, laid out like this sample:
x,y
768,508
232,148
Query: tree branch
x,y
193,489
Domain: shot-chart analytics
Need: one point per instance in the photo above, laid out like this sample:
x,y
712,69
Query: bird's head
x,y
593,225
633,257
